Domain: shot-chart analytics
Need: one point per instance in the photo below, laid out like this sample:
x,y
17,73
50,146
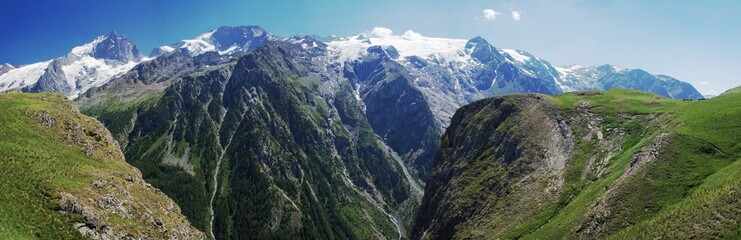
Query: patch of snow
x,y
257,32
516,55
229,50
197,46
86,49
23,76
408,44
563,71
166,48
618,69
90,72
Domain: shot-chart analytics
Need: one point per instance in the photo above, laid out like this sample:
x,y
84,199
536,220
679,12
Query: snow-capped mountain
x,y
86,66
482,69
224,40
450,72
610,76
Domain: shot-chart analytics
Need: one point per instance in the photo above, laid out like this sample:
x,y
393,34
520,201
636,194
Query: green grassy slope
x,y
49,150
680,192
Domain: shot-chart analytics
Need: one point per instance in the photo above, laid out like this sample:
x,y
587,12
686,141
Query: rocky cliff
x,y
620,163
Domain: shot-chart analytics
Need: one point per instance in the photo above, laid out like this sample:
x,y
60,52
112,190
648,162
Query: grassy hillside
x,y
684,193
62,175
640,166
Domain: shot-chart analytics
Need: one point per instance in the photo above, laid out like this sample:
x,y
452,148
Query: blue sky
x,y
694,41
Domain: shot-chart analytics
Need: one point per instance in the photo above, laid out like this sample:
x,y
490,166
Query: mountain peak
x,y
226,40
110,46
477,39
115,47
6,67
384,51
481,50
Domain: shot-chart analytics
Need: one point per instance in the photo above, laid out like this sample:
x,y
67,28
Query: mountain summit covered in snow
x,y
225,40
85,66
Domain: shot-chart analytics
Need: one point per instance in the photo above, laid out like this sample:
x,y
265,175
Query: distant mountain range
x,y
94,63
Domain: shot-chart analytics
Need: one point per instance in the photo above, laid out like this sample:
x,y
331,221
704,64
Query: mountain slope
x,y
620,164
86,66
390,99
271,146
63,177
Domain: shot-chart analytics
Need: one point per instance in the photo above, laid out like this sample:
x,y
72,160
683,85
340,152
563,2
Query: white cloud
x,y
704,83
490,14
381,32
409,34
516,15
711,93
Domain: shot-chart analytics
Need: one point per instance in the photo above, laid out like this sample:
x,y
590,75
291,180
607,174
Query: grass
x,y
31,176
27,187
40,160
664,197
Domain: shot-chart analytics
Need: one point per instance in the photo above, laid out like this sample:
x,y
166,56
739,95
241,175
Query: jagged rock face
x,y
493,148
116,48
53,79
276,148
